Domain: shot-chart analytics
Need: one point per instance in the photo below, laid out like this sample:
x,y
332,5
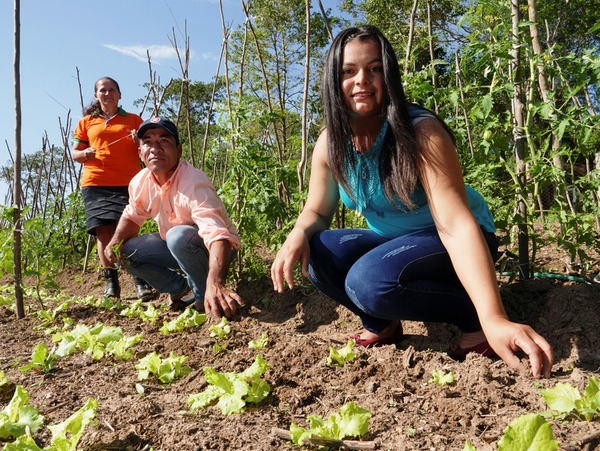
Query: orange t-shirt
x,y
117,159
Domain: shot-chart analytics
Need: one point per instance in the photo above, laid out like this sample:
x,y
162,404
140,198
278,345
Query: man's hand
x,y
221,301
112,251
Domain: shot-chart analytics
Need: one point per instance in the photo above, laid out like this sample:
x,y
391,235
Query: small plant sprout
x,y
218,347
48,317
42,360
4,380
116,248
221,330
96,341
441,378
343,355
259,343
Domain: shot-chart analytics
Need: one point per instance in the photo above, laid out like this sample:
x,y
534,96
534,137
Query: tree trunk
x,y
20,309
411,31
304,156
520,140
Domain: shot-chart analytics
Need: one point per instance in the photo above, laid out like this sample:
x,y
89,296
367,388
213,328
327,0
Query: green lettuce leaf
x,y
528,432
66,435
18,415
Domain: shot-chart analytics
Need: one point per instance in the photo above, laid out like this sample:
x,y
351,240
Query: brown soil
x,y
408,412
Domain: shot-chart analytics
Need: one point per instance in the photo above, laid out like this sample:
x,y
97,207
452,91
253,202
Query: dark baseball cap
x,y
158,122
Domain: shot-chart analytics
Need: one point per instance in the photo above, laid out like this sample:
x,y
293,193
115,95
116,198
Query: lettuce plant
x,y
221,330
150,314
95,341
350,421
165,370
187,319
441,378
19,416
259,343
233,390
343,355
42,360
566,401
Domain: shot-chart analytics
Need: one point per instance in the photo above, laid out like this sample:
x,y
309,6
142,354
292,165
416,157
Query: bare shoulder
x,y
433,139
320,153
429,127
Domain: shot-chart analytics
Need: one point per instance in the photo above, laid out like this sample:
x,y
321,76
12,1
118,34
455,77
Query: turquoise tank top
x,y
396,220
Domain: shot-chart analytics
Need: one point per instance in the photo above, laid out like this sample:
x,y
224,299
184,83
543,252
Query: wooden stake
x,y
320,441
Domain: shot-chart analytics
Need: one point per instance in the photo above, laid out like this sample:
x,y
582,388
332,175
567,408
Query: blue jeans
x,y
380,279
170,265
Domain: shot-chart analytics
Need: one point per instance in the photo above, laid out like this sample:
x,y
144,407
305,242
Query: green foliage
x,y
566,402
48,318
259,343
220,330
19,415
165,370
47,243
343,355
96,341
189,318
150,314
42,360
233,390
529,432
441,378
65,435
4,380
351,421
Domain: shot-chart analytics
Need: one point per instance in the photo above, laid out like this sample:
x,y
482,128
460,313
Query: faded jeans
x,y
380,279
170,265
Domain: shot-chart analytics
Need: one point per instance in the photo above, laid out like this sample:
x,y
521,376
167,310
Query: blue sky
x,y
99,38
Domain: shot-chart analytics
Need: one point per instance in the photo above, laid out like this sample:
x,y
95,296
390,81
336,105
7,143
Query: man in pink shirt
x,y
190,255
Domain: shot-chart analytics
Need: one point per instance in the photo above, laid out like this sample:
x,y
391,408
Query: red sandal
x,y
459,353
369,342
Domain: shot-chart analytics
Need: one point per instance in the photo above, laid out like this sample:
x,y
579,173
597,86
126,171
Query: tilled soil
x,y
392,382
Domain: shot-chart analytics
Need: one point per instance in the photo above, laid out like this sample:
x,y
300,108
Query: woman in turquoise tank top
x,y
428,253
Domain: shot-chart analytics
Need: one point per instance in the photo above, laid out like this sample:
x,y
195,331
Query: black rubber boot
x,y
112,290
143,290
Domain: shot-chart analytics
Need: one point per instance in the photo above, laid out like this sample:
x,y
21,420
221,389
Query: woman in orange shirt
x,y
104,142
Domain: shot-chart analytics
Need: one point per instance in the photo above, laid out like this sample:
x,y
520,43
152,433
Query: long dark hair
x,y
95,107
398,161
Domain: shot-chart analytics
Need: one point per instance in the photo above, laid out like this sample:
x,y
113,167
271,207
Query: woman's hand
x,y
507,338
295,249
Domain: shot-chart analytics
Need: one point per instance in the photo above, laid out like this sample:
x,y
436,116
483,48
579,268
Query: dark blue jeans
x,y
169,265
380,279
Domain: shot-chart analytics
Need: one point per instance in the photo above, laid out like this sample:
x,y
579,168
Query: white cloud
x,y
158,53
210,56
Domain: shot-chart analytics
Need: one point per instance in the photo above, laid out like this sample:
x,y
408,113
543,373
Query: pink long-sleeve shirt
x,y
187,198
